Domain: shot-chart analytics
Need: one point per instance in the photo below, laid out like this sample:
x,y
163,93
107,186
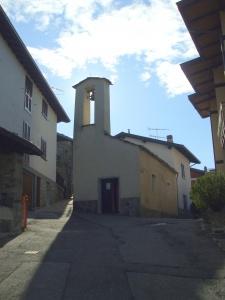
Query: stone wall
x,y
50,192
47,192
130,206
64,165
89,206
11,178
127,206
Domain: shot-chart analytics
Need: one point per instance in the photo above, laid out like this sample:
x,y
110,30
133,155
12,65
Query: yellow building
x,y
205,21
112,175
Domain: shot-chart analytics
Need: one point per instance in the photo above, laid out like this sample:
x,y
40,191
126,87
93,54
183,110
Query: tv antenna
x,y
58,90
157,131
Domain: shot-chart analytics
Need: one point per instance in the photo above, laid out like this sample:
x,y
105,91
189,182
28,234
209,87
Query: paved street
x,y
64,256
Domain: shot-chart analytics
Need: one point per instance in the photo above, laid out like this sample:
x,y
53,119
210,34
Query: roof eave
x,y
88,78
192,158
10,140
18,47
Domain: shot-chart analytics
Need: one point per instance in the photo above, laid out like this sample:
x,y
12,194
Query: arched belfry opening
x,y
89,107
92,105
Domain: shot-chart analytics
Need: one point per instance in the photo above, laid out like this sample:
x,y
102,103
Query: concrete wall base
x,y
130,206
145,212
89,206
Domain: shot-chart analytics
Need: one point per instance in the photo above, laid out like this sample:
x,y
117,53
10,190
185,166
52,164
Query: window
x,y
44,148
182,171
185,204
26,159
153,182
26,131
28,94
44,108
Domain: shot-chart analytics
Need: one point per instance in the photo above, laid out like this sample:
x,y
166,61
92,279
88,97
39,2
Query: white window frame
x,y
44,109
153,183
182,170
44,148
26,131
28,95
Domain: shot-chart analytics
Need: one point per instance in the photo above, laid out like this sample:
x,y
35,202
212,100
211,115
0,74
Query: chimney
x,y
169,138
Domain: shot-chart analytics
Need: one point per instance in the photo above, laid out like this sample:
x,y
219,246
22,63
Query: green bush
x,y
209,191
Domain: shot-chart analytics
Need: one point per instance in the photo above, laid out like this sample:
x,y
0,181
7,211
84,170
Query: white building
x,y
29,108
176,155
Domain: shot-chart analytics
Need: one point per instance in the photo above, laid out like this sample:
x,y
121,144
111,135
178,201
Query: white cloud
x,y
145,76
99,31
173,78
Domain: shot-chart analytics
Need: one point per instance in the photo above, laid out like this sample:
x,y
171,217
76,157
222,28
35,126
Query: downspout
x,y
177,194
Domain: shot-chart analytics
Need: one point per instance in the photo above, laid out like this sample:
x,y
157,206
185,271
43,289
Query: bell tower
x,y
92,105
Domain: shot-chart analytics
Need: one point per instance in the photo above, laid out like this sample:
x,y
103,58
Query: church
x,y
113,175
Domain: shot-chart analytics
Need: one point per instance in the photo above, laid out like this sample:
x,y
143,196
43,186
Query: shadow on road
x,y
111,257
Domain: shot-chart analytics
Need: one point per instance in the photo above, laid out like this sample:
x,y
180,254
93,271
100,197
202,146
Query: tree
x,y
209,191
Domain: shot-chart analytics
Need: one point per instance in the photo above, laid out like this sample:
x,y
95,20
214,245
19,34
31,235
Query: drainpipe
x,y
177,194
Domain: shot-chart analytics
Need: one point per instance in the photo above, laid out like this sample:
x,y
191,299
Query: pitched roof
x,y
149,152
16,44
10,142
181,148
88,78
62,137
201,172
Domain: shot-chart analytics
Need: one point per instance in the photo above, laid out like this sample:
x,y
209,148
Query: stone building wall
x,y
11,177
50,191
64,165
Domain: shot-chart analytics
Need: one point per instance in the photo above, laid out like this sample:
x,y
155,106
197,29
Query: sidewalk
x,y
60,209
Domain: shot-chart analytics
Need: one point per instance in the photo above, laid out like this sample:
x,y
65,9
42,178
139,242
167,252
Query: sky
x,y
137,44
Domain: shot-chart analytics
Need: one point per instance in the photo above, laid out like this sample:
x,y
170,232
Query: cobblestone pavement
x,y
81,256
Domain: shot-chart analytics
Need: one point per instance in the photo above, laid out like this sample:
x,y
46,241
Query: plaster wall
x,y
183,184
65,164
12,112
161,151
99,156
219,152
174,158
158,187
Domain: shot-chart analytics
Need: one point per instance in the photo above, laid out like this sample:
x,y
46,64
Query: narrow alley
x,y
67,256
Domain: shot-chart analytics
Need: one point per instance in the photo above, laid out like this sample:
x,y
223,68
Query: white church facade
x,y
111,175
